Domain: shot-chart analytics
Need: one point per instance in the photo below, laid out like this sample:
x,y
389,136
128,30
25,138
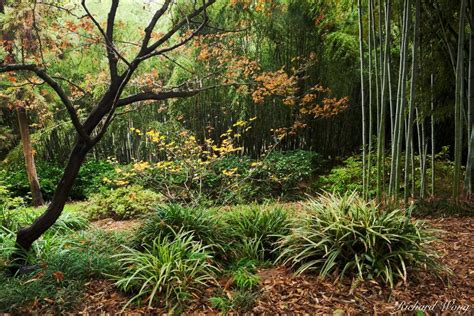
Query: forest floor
x,y
282,292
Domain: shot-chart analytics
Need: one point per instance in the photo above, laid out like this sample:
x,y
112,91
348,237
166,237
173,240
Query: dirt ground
x,y
283,292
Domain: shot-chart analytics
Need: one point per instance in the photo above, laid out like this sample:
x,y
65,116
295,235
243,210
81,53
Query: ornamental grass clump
x,y
168,272
167,219
254,230
343,234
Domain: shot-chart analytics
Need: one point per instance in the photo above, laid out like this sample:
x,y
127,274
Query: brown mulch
x,y
283,292
109,224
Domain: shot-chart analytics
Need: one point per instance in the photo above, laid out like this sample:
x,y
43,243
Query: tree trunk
x,y
37,198
26,236
459,102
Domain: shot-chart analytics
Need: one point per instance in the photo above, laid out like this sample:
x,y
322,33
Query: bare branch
x,y
179,44
149,29
170,94
150,51
56,87
60,8
110,38
112,53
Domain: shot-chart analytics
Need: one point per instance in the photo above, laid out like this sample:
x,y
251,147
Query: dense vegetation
x,y
174,152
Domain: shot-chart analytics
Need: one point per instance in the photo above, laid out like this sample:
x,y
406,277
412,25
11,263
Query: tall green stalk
x,y
459,102
411,108
363,110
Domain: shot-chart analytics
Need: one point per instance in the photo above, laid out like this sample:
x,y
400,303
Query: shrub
x,y
225,178
89,179
69,221
348,175
123,203
254,230
285,170
242,301
245,278
170,218
347,234
169,271
8,205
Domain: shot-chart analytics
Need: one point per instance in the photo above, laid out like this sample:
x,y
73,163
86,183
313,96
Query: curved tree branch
x,y
171,94
56,87
150,51
112,53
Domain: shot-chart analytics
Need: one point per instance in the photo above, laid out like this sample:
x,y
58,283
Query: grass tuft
x,y
344,234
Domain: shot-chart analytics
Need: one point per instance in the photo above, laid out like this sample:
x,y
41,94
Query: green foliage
x,y
278,174
8,203
253,230
245,278
349,235
233,179
66,262
241,301
88,181
221,303
15,218
348,176
70,221
123,203
90,178
170,271
168,219
244,290
283,171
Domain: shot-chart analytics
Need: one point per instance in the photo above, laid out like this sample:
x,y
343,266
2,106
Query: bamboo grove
x,y
399,101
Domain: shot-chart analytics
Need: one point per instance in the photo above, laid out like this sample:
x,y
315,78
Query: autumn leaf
x,y
59,276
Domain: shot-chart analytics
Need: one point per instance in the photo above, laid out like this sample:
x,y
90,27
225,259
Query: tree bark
x,y
27,236
37,198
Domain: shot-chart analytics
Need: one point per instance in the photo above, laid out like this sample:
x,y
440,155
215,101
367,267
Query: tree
x,y
21,110
36,196
104,111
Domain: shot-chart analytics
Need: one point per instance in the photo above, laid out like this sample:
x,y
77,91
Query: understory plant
x,y
347,235
65,261
254,229
167,219
168,272
123,203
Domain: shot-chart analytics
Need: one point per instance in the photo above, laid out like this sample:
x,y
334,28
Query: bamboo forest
x,y
177,157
